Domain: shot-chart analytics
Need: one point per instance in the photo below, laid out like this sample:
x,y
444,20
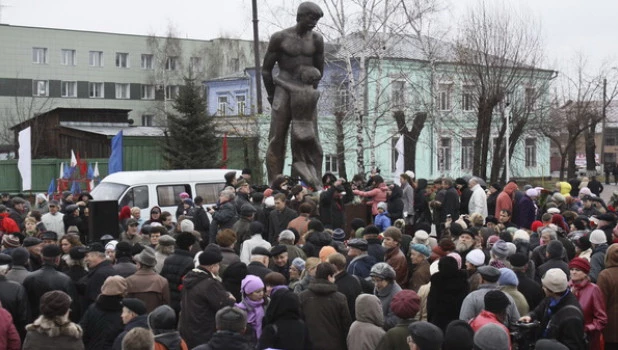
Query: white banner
x,y
24,164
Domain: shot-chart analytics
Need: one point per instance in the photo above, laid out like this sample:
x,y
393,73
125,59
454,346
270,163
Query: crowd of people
x,y
452,265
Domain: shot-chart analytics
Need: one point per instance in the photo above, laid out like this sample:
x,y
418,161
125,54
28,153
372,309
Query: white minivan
x,y
145,189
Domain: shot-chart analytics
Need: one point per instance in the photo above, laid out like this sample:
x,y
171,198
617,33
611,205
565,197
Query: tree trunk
x,y
410,136
591,163
571,155
481,142
339,144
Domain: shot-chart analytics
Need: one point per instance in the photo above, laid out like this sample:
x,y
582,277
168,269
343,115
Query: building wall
x,y
18,71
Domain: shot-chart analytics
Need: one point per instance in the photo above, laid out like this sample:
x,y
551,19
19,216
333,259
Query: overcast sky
x,y
568,26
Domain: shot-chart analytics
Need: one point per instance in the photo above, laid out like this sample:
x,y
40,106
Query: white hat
x,y
521,235
555,280
410,173
553,211
269,202
421,237
532,193
111,245
476,257
598,237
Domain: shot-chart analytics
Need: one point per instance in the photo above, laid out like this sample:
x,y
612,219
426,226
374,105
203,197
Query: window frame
x,y
445,103
445,154
467,153
398,94
147,120
241,104
122,60
120,88
222,105
37,52
95,57
148,92
530,152
171,63
173,199
68,57
208,191
36,84
96,85
147,61
129,197
63,89
171,90
331,163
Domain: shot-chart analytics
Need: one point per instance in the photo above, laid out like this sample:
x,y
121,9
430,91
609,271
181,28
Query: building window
x,y
171,91
530,152
330,163
69,89
171,63
467,99
39,55
147,61
95,58
398,93
240,104
147,120
235,64
530,99
148,92
222,103
444,95
68,57
123,91
40,88
196,65
343,98
95,90
444,154
122,60
467,153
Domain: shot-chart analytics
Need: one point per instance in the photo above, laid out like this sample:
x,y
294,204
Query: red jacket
x,y
486,317
592,302
9,338
505,199
8,225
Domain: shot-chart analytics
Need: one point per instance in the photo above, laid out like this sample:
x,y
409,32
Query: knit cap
x,y
251,284
491,337
299,264
10,241
580,264
458,336
476,257
500,249
508,277
496,301
405,304
555,280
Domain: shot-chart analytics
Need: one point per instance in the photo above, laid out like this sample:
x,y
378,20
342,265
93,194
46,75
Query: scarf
x,y
255,313
576,288
552,305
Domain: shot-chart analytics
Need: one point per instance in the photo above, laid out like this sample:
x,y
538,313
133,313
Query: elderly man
x,y
53,220
279,218
147,285
225,216
99,268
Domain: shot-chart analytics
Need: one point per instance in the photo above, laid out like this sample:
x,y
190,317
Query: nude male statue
x,y
294,49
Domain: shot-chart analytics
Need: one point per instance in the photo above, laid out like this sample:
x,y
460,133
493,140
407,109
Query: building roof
x,y
138,131
230,77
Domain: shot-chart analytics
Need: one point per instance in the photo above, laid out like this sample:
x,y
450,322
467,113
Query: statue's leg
x,y
279,125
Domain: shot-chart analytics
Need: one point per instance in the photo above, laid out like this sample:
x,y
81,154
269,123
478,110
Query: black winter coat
x,y
567,323
174,268
226,340
15,300
282,326
224,217
139,321
532,291
315,241
349,286
102,323
278,221
448,290
201,222
46,279
395,203
202,296
95,279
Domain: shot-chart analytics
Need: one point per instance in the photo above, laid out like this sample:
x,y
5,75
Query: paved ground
x,y
608,190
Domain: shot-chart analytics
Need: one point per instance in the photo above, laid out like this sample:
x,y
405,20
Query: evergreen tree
x,y
191,142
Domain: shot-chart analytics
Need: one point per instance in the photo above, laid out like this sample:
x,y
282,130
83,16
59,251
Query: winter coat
x,y
532,291
361,265
395,258
278,221
202,296
449,287
376,196
386,295
102,323
375,249
327,310
224,217
505,199
478,201
526,213
54,222
45,334
597,261
450,204
282,326
9,338
464,200
175,267
607,282
95,279
366,332
520,300
552,263
315,241
349,286
256,268
567,321
137,322
17,274
125,267
419,275
14,299
300,224
149,287
407,197
44,280
332,209
593,306
396,337
247,246
382,221
395,203
226,340
201,223
474,303
485,318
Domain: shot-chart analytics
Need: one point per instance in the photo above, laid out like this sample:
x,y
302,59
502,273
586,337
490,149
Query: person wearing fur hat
x,y
253,303
405,305
53,329
147,285
591,300
560,313
202,296
102,322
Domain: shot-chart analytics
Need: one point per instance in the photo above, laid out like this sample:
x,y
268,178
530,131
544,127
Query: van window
x,y
136,197
210,192
168,195
106,191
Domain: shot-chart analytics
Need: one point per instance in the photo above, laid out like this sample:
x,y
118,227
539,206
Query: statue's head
x,y
310,10
309,74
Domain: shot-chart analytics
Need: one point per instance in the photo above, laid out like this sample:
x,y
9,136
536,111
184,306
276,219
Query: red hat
x,y
580,264
536,225
405,304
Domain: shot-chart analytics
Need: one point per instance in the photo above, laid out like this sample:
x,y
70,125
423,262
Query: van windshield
x,y
106,191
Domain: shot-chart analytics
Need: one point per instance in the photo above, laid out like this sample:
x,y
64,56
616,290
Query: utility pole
x,y
256,50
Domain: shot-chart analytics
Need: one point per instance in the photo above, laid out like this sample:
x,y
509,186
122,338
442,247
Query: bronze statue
x,y
293,95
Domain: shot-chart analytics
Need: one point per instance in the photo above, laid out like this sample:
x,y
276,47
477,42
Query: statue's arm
x,y
318,57
270,58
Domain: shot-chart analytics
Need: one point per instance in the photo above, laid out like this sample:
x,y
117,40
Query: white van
x,y
145,189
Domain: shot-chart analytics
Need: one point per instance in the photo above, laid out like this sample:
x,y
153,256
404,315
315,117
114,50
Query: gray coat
x,y
597,262
475,302
386,295
17,274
